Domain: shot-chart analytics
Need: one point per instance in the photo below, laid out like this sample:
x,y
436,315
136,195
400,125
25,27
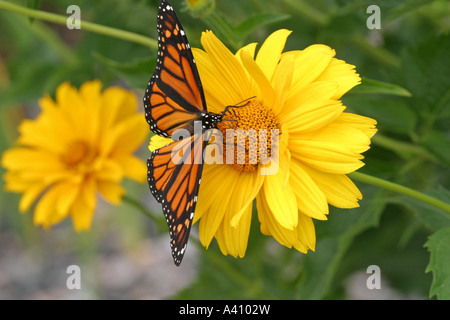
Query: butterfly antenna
x,y
247,101
241,104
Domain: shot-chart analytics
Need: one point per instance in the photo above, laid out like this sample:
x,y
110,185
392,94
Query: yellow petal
x,y
47,104
310,199
83,208
306,233
309,64
111,191
109,170
342,136
271,227
133,168
32,162
68,192
91,98
50,131
280,197
281,82
339,190
91,89
325,156
209,191
46,213
257,75
270,52
73,108
230,71
244,193
315,116
15,183
125,137
67,96
117,104
343,73
314,96
30,195
334,148
248,50
365,124
223,182
157,142
233,240
45,177
218,93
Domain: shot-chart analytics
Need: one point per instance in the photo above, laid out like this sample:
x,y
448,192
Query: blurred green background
x,y
406,70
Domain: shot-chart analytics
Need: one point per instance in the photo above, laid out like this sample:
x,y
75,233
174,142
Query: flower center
x,y
247,134
78,152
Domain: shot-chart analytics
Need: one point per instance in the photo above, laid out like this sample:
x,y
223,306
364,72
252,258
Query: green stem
x,y
215,21
309,12
85,25
379,53
400,189
402,147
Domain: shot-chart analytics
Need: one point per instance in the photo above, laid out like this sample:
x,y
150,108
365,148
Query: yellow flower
x,y
79,145
296,93
199,8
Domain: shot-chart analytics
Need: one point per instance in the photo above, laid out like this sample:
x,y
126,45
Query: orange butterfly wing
x,y
174,99
174,174
174,96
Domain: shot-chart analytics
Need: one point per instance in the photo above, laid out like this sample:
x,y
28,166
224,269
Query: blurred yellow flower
x,y
297,93
200,8
81,144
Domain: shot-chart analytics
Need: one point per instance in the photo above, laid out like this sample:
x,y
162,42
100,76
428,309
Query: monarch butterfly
x,y
174,100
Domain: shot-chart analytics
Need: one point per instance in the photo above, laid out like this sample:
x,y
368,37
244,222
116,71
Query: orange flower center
x,y
78,152
250,137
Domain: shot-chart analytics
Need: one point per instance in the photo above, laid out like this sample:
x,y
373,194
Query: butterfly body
x,y
174,100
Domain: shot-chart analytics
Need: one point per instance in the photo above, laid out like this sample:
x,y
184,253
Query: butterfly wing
x,y
174,96
173,100
174,174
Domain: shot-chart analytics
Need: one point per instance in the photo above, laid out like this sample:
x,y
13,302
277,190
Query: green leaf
x,y
439,145
224,29
33,4
424,72
136,72
51,57
309,12
370,86
434,218
392,115
335,237
258,21
439,247
405,8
